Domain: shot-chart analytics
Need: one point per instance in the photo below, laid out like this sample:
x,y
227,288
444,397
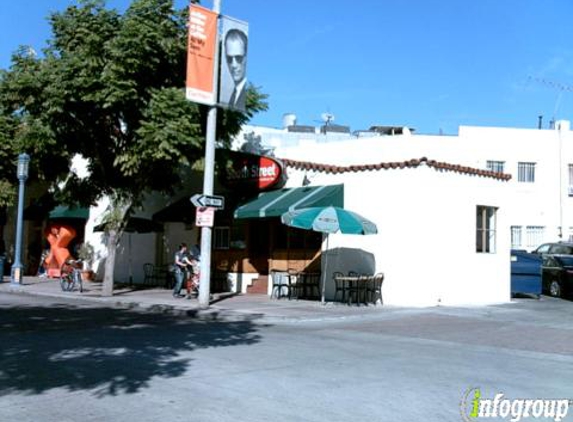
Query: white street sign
x,y
214,201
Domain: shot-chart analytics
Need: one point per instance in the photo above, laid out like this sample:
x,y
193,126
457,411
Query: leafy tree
x,y
109,87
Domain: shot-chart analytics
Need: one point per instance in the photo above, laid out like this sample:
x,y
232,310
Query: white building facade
x,y
540,161
448,208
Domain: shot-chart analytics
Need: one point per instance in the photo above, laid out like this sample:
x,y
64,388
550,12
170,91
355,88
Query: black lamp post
x,y
17,267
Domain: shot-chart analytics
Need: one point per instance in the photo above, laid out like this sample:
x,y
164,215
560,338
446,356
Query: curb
x,y
214,313
210,314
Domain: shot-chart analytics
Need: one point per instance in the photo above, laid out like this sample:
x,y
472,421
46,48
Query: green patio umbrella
x,y
328,220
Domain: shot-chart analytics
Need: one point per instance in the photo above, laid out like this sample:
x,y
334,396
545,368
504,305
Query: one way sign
x,y
213,201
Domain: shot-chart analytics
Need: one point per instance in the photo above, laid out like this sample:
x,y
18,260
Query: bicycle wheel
x,y
67,277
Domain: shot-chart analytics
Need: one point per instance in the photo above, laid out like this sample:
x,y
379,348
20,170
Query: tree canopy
x,y
108,86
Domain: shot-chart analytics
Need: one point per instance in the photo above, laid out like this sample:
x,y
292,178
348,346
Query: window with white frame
x,y
526,172
534,236
221,237
570,186
485,229
516,237
496,166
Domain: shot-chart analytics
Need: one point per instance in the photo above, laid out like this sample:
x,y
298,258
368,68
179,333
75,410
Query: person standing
x,y
182,264
236,57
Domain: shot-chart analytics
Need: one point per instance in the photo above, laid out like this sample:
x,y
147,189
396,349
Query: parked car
x,y
557,275
555,248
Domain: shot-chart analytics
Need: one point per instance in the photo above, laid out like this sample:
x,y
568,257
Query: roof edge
x,y
416,162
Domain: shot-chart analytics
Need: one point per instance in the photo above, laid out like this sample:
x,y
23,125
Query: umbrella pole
x,y
322,299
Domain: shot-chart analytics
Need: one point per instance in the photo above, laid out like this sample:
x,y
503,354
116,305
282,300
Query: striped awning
x,y
277,202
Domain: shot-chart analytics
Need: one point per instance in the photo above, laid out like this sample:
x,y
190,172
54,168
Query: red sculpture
x,y
59,236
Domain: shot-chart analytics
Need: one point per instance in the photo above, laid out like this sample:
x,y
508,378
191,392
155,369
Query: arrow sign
x,y
213,201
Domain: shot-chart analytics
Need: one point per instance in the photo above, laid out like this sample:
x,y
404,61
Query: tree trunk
x,y
107,286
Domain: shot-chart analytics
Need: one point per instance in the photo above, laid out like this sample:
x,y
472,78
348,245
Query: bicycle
x,y
71,275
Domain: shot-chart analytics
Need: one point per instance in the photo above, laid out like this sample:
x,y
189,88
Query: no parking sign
x,y
204,216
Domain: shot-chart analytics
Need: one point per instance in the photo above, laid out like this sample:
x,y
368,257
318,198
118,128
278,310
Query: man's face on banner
x,y
236,59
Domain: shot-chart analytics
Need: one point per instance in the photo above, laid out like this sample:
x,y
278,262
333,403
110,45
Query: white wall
x,y
427,235
545,203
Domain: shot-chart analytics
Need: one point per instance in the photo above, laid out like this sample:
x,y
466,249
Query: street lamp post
x,y
17,267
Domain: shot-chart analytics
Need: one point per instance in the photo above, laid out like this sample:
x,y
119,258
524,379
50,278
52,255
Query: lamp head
x,y
23,165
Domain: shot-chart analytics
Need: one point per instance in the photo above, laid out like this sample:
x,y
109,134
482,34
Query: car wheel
x,y
555,288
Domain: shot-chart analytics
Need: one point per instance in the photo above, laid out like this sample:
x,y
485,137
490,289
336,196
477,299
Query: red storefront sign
x,y
250,171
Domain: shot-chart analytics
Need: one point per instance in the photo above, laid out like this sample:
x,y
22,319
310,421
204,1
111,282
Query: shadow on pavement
x,y
108,350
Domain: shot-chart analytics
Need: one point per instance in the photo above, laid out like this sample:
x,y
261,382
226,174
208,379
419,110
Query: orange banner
x,y
201,43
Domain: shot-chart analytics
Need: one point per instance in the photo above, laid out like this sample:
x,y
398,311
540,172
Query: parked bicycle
x,y
71,275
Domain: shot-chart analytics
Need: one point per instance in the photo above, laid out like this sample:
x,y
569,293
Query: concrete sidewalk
x,y
223,304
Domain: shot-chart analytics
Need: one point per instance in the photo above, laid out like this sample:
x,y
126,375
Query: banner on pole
x,y
201,43
234,43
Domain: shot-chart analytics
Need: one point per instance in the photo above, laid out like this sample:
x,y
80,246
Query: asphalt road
x,y
74,361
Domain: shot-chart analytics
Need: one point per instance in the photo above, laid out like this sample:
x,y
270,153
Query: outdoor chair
x,y
281,284
357,290
154,275
294,283
148,274
308,285
340,286
375,289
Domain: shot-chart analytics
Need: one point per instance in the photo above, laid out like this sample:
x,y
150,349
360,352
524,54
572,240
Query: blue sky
x,y
429,64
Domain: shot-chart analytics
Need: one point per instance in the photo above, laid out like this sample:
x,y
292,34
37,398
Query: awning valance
x,y
63,212
277,202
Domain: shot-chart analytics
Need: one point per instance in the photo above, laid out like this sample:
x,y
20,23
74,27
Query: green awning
x,y
62,211
277,202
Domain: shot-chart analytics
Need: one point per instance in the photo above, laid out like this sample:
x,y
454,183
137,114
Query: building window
x,y
238,235
485,229
526,172
230,237
221,237
496,166
516,237
292,238
535,235
570,186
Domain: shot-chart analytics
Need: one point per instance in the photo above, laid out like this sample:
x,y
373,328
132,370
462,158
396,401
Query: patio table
x,y
356,286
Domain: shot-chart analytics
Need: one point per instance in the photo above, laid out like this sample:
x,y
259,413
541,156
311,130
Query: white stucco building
x,y
540,161
448,209
428,217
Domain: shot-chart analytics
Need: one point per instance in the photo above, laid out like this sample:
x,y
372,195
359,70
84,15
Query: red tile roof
x,y
328,168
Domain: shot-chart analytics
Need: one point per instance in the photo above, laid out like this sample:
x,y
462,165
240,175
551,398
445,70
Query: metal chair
x,y
308,285
375,289
358,289
280,282
339,286
294,283
148,274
